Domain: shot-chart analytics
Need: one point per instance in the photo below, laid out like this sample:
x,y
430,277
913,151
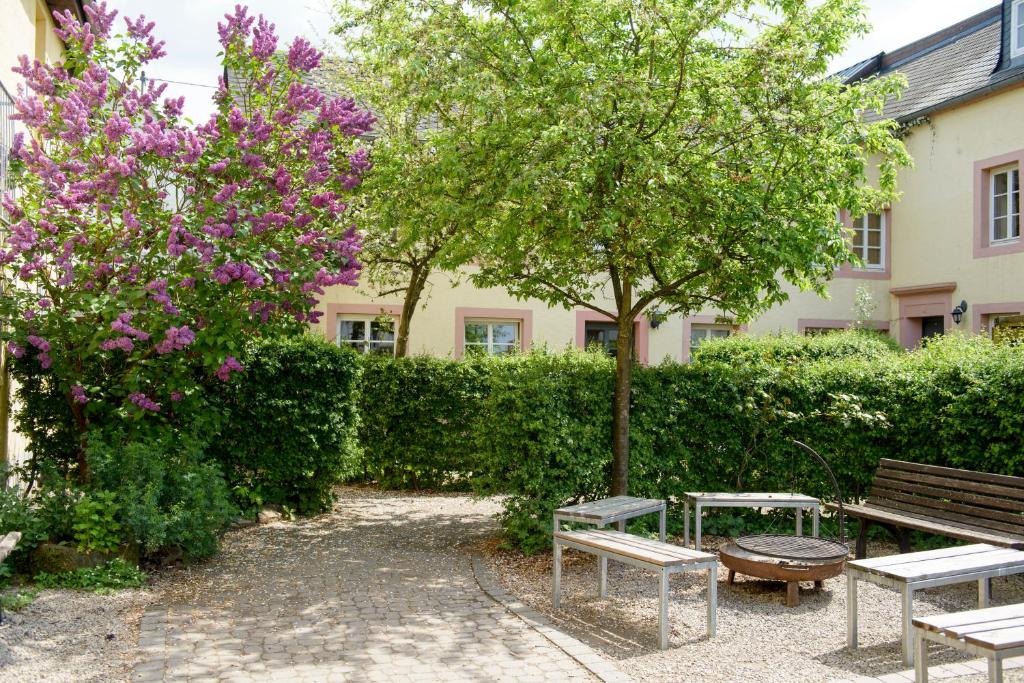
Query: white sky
x,y
189,27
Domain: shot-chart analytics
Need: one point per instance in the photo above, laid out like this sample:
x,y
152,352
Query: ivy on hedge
x,y
537,427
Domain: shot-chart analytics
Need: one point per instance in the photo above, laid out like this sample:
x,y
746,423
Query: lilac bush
x,y
142,246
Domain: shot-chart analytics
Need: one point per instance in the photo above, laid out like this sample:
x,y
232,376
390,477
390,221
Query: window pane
x,y
999,206
352,330
1015,226
503,349
875,238
999,229
999,183
1020,31
875,221
874,256
1015,183
697,335
719,334
858,237
476,333
382,348
382,332
504,333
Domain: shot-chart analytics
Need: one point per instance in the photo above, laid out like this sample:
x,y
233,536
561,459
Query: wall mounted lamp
x,y
958,312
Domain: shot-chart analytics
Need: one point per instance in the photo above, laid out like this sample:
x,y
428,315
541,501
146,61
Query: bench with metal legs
x,y
664,558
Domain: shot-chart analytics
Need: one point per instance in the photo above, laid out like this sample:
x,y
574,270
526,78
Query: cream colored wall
x,y
934,221
26,28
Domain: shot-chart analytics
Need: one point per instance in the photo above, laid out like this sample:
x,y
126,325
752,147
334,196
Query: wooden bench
x,y
995,633
7,546
641,552
970,506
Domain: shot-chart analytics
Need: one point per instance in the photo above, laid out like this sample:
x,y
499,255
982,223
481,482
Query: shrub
x,y
96,527
440,397
291,426
114,575
168,495
541,423
788,347
18,514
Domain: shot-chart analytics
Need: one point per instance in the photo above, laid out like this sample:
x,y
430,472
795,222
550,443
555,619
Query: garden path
x,y
381,589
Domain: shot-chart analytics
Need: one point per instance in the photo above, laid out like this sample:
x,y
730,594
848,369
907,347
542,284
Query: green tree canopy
x,y
687,153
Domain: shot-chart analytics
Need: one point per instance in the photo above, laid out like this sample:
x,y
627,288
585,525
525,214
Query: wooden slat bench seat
x,y
961,504
641,552
995,633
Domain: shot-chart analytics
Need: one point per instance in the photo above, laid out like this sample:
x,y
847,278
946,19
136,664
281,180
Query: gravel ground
x,y
759,639
73,637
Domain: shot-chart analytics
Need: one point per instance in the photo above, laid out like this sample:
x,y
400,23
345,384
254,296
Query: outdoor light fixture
x,y
958,312
656,318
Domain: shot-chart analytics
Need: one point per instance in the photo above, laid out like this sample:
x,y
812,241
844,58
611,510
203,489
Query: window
x,y
494,338
602,335
1004,219
1017,29
818,331
368,336
869,240
701,333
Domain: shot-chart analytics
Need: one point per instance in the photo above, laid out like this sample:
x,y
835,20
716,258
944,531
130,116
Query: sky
x,y
189,27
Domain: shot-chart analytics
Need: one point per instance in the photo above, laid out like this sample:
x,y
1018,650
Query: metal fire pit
x,y
790,558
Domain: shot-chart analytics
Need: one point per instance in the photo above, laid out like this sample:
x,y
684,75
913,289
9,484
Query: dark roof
x,y
948,67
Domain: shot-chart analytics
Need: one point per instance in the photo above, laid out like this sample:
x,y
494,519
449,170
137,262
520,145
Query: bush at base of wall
x,y
537,427
291,428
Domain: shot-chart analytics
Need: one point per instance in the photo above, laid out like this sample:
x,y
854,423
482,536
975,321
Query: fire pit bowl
x,y
785,558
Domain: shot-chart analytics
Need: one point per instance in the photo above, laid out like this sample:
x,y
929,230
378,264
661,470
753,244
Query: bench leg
x,y
713,601
602,573
799,522
851,610
696,526
984,592
921,661
907,600
862,539
686,523
556,573
663,611
995,670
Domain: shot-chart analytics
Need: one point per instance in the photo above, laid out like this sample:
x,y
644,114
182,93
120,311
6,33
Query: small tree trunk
x,y
620,409
83,429
417,281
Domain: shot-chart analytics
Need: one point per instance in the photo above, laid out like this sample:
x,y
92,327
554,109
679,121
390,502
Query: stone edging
x,y
580,652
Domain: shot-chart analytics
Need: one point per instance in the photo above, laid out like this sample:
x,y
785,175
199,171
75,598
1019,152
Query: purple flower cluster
x,y
230,365
144,402
78,394
176,339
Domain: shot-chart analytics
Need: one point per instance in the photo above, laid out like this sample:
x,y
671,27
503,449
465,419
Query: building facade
x,y
954,235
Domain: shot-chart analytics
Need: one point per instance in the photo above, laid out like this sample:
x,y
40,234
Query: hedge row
x,y
537,427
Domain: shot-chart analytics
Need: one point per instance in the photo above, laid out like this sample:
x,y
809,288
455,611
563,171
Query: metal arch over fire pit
x,y
790,558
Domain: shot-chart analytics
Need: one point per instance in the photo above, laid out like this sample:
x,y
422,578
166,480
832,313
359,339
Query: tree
x,y
685,154
419,206
140,246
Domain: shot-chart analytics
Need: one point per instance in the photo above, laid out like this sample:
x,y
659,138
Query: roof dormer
x,y
1013,35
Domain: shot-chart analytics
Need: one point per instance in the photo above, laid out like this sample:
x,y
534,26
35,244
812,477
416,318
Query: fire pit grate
x,y
794,547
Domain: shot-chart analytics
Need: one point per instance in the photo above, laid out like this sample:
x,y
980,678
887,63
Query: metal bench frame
x,y
663,590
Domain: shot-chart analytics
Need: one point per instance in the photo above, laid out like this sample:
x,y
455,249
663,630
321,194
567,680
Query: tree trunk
x,y
620,409
82,425
417,281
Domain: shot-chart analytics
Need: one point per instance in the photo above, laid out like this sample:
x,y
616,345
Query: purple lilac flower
x,y
16,350
78,394
227,367
302,56
176,339
144,402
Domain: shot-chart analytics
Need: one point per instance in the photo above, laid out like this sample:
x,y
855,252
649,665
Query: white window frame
x,y
1016,24
489,345
860,225
366,343
1011,171
707,328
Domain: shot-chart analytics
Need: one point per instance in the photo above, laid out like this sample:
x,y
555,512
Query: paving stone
x,y
381,589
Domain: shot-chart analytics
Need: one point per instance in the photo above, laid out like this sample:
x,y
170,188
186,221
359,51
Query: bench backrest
x,y
994,502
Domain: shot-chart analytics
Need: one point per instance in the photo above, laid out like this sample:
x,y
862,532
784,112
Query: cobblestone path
x,y
382,589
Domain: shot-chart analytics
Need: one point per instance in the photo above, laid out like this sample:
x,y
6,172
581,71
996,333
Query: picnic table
x,y
914,571
995,633
702,500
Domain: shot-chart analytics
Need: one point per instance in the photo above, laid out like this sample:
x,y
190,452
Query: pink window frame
x,y
837,324
520,315
692,320
848,271
982,204
641,329
332,311
980,313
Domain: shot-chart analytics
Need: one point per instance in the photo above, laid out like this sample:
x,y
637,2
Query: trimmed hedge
x,y
537,427
788,347
290,431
